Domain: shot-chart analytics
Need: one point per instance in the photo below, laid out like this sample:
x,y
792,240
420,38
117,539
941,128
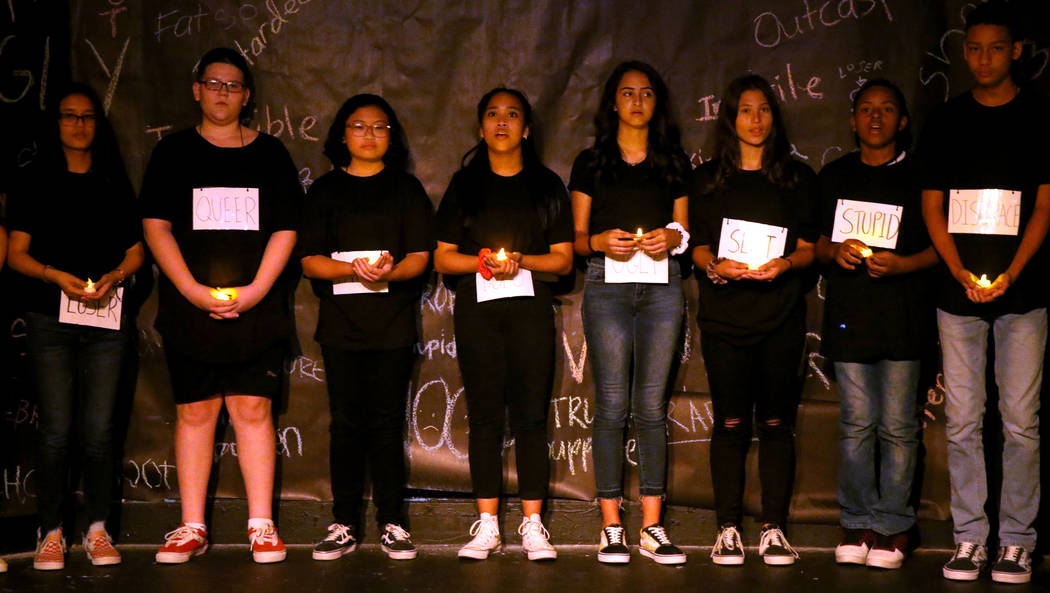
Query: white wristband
x,y
684,243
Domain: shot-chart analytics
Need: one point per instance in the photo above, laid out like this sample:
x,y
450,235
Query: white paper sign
x,y
225,209
751,243
518,286
872,223
984,211
639,267
358,287
104,313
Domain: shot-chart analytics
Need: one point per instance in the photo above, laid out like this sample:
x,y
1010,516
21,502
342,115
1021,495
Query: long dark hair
x,y
776,154
475,166
664,157
225,55
902,138
105,153
397,154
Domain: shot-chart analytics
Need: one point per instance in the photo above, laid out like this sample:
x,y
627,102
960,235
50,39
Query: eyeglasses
x,y
71,119
360,128
232,86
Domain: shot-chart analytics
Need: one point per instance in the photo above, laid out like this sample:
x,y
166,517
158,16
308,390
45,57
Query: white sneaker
x,y
775,549
729,548
535,539
1013,566
486,538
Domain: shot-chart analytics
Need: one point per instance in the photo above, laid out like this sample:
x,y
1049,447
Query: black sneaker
x,y
613,547
774,548
966,563
729,548
397,543
340,540
654,543
1013,566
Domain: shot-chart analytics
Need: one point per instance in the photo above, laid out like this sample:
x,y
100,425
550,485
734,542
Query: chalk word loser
x,y
354,287
640,267
226,209
104,313
872,223
984,211
518,286
751,243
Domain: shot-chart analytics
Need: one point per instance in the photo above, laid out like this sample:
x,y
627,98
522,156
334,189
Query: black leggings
x,y
760,379
506,357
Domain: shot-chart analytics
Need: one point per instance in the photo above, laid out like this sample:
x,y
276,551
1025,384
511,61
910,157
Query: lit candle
x,y
752,267
372,260
502,255
224,294
638,235
90,289
864,251
983,282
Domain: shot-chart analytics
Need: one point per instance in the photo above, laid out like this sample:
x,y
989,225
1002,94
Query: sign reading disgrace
x,y
225,208
984,211
104,313
357,287
751,243
872,223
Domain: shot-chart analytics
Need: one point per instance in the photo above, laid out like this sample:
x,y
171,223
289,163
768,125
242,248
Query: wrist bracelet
x,y
683,244
713,275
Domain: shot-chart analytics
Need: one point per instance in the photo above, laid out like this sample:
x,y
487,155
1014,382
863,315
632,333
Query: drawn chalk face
x,y
503,124
989,53
754,118
367,135
221,106
877,118
635,99
76,118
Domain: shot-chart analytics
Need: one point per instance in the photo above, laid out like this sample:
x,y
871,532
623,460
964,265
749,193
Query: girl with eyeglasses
x,y
365,243
504,228
221,206
75,239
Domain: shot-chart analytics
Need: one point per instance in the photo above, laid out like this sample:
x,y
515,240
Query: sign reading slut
x,y
751,243
104,313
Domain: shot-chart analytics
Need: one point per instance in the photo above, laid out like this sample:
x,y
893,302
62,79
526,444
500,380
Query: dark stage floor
x,y
228,569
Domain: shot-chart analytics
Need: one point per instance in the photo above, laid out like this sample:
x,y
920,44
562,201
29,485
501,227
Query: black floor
x,y
228,569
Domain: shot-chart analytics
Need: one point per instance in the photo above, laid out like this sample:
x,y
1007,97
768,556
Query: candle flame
x,y
224,294
90,286
372,260
984,282
502,255
752,267
864,251
639,233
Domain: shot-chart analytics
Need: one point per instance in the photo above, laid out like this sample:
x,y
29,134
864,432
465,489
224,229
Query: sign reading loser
x,y
225,208
518,286
872,223
751,243
984,211
104,313
358,287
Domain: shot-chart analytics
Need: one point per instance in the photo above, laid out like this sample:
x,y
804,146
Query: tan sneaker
x,y
99,548
50,551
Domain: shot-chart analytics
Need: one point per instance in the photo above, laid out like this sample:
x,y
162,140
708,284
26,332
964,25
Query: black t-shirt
x,y
184,162
635,198
967,145
508,216
868,319
388,211
80,223
744,311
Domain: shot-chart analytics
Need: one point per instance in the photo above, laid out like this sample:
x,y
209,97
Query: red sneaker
x,y
182,544
266,545
99,548
51,551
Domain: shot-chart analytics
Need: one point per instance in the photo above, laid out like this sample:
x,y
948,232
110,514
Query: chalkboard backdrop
x,y
432,60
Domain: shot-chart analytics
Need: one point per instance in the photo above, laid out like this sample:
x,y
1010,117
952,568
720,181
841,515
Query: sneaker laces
x,y
658,533
182,534
397,532
966,550
614,534
775,537
266,535
337,532
488,525
531,529
1013,554
728,538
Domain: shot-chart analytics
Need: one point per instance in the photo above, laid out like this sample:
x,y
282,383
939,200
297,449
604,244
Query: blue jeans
x,y
878,406
77,371
1020,342
632,333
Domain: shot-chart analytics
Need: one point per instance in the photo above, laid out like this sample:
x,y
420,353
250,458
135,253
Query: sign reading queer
x,y
872,223
984,211
104,313
356,287
751,243
225,209
640,267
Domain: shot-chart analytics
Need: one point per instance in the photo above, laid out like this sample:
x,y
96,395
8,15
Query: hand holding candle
x,y
983,281
863,251
223,294
90,288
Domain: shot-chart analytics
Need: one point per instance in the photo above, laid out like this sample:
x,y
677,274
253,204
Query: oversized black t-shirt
x,y
184,162
868,319
507,216
79,223
744,311
969,146
635,197
388,211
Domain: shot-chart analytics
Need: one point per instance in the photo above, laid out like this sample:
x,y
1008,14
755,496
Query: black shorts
x,y
195,380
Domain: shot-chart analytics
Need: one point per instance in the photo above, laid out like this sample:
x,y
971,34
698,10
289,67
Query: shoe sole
x,y
48,565
399,554
888,563
542,555
960,575
606,558
474,554
778,560
850,557
104,561
179,557
728,560
677,559
269,557
1011,578
334,554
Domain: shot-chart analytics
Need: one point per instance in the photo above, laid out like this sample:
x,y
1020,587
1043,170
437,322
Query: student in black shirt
x,y
752,307
986,202
73,220
504,221
365,242
221,204
629,209
877,319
